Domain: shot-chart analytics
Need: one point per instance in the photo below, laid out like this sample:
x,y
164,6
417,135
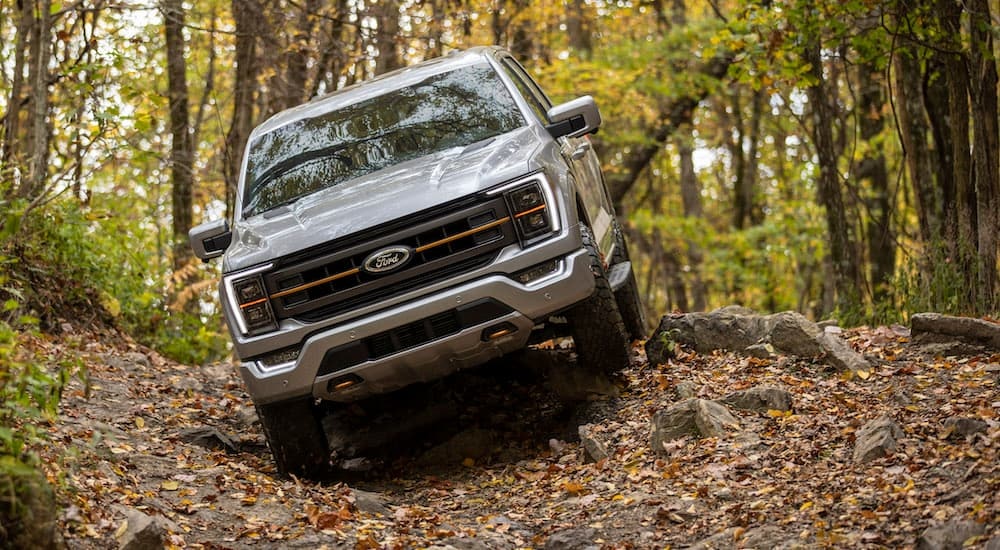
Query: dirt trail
x,y
500,465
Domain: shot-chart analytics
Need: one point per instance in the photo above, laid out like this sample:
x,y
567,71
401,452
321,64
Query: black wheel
x,y
596,325
629,304
295,435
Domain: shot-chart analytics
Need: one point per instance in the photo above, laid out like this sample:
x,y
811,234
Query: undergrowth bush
x,y
91,266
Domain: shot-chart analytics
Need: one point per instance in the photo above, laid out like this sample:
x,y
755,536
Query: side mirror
x,y
210,239
574,118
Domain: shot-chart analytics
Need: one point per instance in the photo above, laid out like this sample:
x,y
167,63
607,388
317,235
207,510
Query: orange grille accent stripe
x,y
463,234
424,248
322,281
253,303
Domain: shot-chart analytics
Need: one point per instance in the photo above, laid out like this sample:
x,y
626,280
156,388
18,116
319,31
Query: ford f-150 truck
x,y
394,231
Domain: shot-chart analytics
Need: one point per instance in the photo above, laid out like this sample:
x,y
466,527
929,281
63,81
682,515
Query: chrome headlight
x,y
251,302
531,212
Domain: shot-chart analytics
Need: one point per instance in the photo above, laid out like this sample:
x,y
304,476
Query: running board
x,y
618,275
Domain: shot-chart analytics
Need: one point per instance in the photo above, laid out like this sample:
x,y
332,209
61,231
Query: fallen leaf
x,y
170,485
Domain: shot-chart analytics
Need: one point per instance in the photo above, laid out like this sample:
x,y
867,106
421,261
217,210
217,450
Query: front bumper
x,y
570,283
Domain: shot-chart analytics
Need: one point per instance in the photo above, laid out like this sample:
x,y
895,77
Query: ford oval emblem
x,y
387,259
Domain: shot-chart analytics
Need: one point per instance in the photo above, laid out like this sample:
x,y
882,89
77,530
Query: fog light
x,y
341,383
537,272
498,331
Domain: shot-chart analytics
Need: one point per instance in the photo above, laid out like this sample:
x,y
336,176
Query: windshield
x,y
446,110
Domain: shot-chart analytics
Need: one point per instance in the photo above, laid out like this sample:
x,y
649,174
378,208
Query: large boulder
x,y
741,330
691,417
935,327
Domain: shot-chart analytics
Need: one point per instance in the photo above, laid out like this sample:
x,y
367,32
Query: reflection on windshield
x,y
452,109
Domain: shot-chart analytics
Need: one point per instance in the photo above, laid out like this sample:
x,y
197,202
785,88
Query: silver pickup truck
x,y
427,220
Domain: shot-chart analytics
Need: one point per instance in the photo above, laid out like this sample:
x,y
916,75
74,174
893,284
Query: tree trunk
x,y
12,158
985,154
38,79
872,167
387,14
691,196
578,28
247,14
843,262
181,148
914,131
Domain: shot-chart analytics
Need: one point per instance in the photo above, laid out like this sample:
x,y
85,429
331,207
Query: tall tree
x,y
181,147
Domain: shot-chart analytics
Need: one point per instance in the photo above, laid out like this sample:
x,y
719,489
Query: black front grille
x,y
411,335
446,245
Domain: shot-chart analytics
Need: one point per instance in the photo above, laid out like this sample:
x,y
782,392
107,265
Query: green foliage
x,y
100,263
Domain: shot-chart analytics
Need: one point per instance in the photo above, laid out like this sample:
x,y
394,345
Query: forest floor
x,y
174,452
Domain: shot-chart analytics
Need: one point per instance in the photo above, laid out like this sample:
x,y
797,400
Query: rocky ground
x,y
706,449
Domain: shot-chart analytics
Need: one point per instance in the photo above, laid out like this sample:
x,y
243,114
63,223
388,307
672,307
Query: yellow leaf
x,y
121,529
572,488
139,422
805,506
774,413
170,485
862,374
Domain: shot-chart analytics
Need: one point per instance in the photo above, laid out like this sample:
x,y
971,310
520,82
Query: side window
x,y
534,96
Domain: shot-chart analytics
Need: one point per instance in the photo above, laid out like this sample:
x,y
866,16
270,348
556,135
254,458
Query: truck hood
x,y
380,197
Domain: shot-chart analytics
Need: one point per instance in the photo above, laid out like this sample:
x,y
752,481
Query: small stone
x,y
958,427
593,449
761,351
573,539
686,390
142,533
950,535
876,439
209,438
760,398
371,503
698,417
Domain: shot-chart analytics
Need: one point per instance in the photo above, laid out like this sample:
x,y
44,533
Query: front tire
x,y
602,344
629,304
295,435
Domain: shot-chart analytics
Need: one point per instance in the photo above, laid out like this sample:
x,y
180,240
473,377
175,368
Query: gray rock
x,y
840,355
143,533
792,333
460,543
928,326
876,439
993,543
761,351
686,390
593,448
208,437
127,361
767,536
573,539
697,417
738,329
371,503
474,443
760,398
949,535
958,427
